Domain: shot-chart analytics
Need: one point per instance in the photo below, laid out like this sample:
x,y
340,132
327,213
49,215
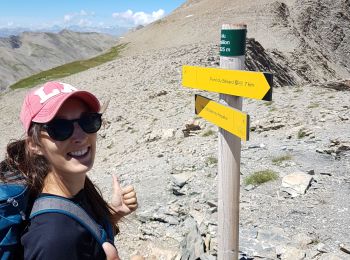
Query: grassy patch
x,y
208,133
211,160
301,133
298,89
272,109
313,105
268,103
315,241
68,69
159,21
279,159
260,177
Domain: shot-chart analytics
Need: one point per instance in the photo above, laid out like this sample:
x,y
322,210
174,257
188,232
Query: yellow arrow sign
x,y
232,120
241,83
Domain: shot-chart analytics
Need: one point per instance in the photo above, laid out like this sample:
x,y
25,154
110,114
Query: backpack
x,y
14,216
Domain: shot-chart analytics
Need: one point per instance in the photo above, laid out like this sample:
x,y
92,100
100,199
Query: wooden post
x,y
232,56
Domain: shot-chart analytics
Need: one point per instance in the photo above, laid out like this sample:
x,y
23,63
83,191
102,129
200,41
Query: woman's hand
x,y
110,251
124,200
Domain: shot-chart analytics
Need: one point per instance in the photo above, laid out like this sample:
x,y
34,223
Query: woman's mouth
x,y
79,154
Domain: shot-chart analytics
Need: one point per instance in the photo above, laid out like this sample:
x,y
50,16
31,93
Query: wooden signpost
x,y
232,120
233,83
240,83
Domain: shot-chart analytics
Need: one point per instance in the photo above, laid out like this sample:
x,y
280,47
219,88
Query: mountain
x,y
112,30
32,52
309,39
152,138
6,32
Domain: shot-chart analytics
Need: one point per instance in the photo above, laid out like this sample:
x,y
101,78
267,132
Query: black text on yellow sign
x,y
232,120
240,83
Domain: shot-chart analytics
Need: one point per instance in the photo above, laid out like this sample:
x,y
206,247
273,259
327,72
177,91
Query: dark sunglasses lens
x,y
90,122
60,129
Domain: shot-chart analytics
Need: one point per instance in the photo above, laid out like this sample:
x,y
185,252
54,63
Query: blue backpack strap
x,y
51,204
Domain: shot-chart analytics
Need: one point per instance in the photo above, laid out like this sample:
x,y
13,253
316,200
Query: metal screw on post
x,y
232,56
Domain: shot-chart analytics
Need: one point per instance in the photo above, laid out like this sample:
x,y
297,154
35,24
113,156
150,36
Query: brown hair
x,y
22,165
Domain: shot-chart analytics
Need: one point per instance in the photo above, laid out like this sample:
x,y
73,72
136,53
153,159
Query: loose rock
x,y
296,183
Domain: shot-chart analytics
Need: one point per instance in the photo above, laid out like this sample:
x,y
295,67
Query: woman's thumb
x,y
110,251
116,185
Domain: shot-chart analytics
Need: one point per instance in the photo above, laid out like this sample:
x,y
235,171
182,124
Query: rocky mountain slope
x,y
31,52
147,139
311,38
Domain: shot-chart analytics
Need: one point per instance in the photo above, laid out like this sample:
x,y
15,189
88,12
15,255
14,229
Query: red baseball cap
x,y
42,104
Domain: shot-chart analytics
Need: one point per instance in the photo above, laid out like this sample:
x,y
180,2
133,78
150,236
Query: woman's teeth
x,y
79,153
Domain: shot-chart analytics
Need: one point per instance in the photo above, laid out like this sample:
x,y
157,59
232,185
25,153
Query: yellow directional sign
x,y
230,119
241,83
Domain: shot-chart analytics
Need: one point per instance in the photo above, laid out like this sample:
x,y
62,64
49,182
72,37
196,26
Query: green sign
x,y
232,42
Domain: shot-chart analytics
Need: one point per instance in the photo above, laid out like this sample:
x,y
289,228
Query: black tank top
x,y
52,236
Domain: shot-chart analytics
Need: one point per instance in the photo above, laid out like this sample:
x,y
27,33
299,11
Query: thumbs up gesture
x,y
124,200
110,251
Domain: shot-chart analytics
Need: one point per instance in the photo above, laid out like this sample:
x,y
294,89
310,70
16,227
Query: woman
x,y
61,125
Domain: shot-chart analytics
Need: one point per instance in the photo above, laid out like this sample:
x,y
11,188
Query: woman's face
x,y
76,154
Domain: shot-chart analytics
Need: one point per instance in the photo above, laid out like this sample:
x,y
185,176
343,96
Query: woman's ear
x,y
33,147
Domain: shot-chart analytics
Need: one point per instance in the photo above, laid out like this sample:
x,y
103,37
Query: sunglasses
x,y
61,129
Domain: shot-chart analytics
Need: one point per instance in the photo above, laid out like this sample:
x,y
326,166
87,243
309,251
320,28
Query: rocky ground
x,y
152,139
176,175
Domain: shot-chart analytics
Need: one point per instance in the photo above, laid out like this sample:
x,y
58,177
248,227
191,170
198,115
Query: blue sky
x,y
40,13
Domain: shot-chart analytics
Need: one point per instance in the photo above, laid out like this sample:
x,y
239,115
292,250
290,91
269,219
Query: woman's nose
x,y
78,133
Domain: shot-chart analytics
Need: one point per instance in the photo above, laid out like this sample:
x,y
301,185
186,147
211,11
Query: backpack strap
x,y
51,204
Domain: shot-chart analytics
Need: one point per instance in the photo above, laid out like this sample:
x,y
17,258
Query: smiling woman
x,y
61,124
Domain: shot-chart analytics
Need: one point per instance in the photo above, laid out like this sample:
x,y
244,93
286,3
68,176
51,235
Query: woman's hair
x,y
23,165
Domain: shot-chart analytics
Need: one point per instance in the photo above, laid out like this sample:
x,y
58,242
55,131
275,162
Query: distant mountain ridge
x,y
32,52
112,30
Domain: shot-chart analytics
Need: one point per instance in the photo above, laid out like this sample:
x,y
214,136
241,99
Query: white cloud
x,y
67,18
126,15
78,17
158,14
84,22
138,18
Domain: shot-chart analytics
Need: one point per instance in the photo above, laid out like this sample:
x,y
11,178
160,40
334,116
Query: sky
x,y
93,13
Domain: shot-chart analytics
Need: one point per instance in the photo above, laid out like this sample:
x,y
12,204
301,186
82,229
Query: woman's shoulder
x,y
55,226
58,236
